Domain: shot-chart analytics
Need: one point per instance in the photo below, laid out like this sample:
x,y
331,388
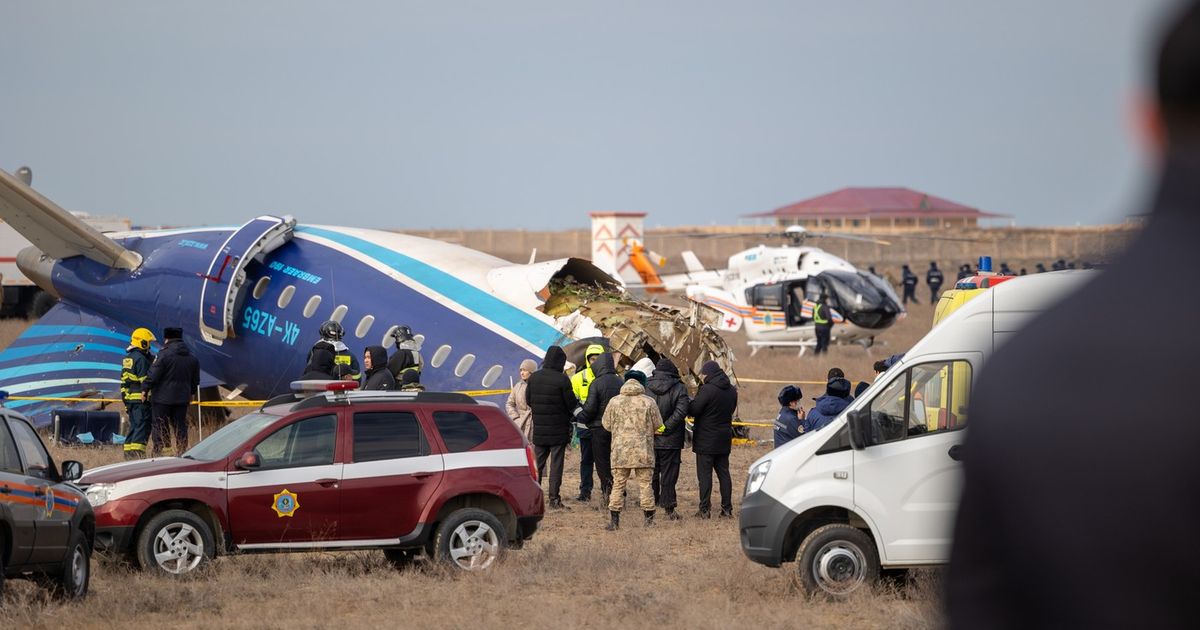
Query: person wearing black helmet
x,y
406,356
345,364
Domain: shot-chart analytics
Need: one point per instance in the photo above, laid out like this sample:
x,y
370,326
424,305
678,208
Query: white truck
x,y
877,489
21,297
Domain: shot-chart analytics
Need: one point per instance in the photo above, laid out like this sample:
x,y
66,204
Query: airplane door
x,y
295,494
227,272
908,485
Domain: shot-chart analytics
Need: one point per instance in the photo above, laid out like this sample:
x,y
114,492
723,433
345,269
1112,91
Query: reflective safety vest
x,y
344,364
134,368
581,382
819,317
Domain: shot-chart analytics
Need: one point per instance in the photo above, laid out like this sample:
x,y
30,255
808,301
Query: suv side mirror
x,y
248,461
71,470
861,435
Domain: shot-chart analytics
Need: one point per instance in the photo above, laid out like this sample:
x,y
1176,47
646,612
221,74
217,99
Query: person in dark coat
x,y
671,396
172,380
787,423
827,407
319,366
376,375
934,279
712,436
1104,508
553,406
410,381
909,280
604,388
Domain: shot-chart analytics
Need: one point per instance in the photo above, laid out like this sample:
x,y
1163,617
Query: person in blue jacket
x,y
834,402
787,424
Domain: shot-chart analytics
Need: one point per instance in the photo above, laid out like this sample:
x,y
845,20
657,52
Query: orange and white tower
x,y
611,234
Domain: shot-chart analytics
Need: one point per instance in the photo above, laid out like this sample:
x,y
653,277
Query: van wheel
x,y
71,582
470,539
175,542
837,560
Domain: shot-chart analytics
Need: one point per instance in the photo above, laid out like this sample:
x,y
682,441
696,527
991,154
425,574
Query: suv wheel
x,y
71,582
175,542
837,560
470,539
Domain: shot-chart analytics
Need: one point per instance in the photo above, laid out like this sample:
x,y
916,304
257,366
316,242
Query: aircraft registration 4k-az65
x,y
251,298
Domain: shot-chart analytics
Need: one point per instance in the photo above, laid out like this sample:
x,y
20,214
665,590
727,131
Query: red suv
x,y
404,472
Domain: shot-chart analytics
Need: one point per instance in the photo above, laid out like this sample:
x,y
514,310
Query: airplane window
x,y
339,313
387,341
260,287
492,375
464,364
420,339
364,326
440,356
311,307
285,296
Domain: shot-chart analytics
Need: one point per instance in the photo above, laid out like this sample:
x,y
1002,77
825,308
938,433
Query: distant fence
x,y
1019,247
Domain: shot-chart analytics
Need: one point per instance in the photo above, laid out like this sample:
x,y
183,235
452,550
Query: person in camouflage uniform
x,y
632,417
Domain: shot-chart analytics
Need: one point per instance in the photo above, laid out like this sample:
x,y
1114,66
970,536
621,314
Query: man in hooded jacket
x,y
377,376
604,388
581,382
827,407
671,397
553,405
172,380
712,436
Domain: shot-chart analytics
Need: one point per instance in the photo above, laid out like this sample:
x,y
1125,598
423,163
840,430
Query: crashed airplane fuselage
x,y
252,298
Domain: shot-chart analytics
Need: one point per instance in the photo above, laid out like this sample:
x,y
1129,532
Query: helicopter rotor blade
x,y
849,237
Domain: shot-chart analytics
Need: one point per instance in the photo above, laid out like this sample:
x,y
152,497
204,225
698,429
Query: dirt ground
x,y
572,574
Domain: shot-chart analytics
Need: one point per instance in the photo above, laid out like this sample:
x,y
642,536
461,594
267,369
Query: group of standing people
x,y
933,277
630,427
157,391
330,359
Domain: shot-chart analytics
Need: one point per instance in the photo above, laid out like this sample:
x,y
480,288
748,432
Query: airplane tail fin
x,y
692,262
55,231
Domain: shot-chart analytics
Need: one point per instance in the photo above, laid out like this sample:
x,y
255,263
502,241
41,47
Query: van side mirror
x,y
71,470
248,461
861,435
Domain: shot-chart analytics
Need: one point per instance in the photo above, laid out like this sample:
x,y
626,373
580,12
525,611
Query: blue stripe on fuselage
x,y
522,324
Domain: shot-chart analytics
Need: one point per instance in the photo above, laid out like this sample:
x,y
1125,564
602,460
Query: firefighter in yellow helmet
x,y
134,368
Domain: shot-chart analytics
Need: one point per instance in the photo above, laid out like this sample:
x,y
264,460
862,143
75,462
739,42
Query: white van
x,y
878,487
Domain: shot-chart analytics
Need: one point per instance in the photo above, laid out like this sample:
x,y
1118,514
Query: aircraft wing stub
x,y
55,231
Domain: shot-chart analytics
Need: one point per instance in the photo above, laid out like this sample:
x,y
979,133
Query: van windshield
x,y
220,445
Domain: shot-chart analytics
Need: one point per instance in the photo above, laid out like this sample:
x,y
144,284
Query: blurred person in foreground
x,y
712,436
671,396
632,418
551,406
1080,505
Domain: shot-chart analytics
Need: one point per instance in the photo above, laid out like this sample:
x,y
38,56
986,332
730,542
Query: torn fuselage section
x,y
634,329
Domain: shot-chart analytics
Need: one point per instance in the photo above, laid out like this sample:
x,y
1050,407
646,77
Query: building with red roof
x,y
878,209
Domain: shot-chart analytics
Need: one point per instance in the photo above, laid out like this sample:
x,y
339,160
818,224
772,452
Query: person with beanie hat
x,y
644,365
551,406
517,405
631,418
671,397
170,385
860,388
834,402
787,423
712,436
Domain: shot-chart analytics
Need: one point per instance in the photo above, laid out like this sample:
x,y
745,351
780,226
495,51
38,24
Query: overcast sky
x,y
531,114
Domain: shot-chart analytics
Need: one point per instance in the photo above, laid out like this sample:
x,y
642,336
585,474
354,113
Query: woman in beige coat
x,y
517,405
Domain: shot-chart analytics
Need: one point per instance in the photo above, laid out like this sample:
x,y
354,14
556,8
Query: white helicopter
x,y
771,292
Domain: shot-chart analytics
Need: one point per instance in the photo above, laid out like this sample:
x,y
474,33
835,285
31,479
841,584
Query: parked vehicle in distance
x,y
877,489
405,472
46,525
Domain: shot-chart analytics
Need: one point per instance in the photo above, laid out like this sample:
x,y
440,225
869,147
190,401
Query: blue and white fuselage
x,y
478,314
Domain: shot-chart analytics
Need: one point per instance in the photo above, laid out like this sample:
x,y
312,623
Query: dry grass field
x,y
572,574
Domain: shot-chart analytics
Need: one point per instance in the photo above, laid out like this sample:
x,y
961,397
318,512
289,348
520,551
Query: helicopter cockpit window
x,y
858,297
767,296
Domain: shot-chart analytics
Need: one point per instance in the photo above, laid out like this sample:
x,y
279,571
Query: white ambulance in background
x,y
878,488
